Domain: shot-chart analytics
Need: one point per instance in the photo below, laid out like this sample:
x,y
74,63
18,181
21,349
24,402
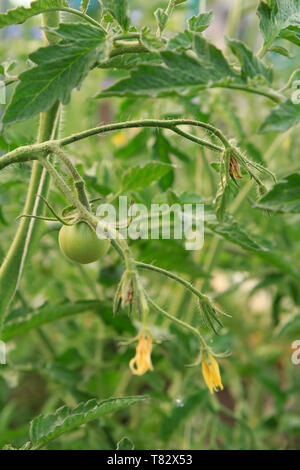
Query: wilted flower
x,y
141,362
234,167
211,374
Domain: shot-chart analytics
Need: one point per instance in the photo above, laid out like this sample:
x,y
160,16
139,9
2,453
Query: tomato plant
x,y
167,130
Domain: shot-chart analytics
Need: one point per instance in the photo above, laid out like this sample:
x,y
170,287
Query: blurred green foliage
x,y
80,357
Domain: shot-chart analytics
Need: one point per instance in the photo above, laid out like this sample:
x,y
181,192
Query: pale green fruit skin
x,y
80,243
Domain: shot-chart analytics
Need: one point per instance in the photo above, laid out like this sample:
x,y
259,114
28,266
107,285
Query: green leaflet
x,y
201,22
181,41
178,74
161,19
282,117
18,324
139,176
21,14
130,60
119,11
150,40
59,69
46,428
283,197
273,19
251,66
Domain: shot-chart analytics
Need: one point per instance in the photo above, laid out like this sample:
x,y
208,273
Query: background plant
x,y
239,128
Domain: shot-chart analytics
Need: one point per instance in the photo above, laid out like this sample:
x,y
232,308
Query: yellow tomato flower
x,y
142,359
211,374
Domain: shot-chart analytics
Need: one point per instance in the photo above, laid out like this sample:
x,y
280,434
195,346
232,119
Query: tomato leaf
x,y
181,41
281,118
150,40
119,11
59,69
277,16
161,18
21,14
250,64
179,73
201,22
26,320
44,429
130,61
283,197
140,176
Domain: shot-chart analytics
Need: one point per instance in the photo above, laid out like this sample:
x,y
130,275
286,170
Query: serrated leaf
x,y
150,40
179,73
277,16
281,118
213,61
59,69
119,11
181,41
26,320
161,18
251,66
21,14
131,61
44,429
283,197
200,22
140,176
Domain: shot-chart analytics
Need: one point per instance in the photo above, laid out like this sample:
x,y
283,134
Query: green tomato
x,y
80,243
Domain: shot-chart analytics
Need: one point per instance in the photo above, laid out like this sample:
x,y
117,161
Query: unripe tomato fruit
x,y
80,243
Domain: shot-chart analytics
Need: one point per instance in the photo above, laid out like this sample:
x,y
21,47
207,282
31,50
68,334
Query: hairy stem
x,y
78,181
171,275
165,124
28,230
182,323
31,152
